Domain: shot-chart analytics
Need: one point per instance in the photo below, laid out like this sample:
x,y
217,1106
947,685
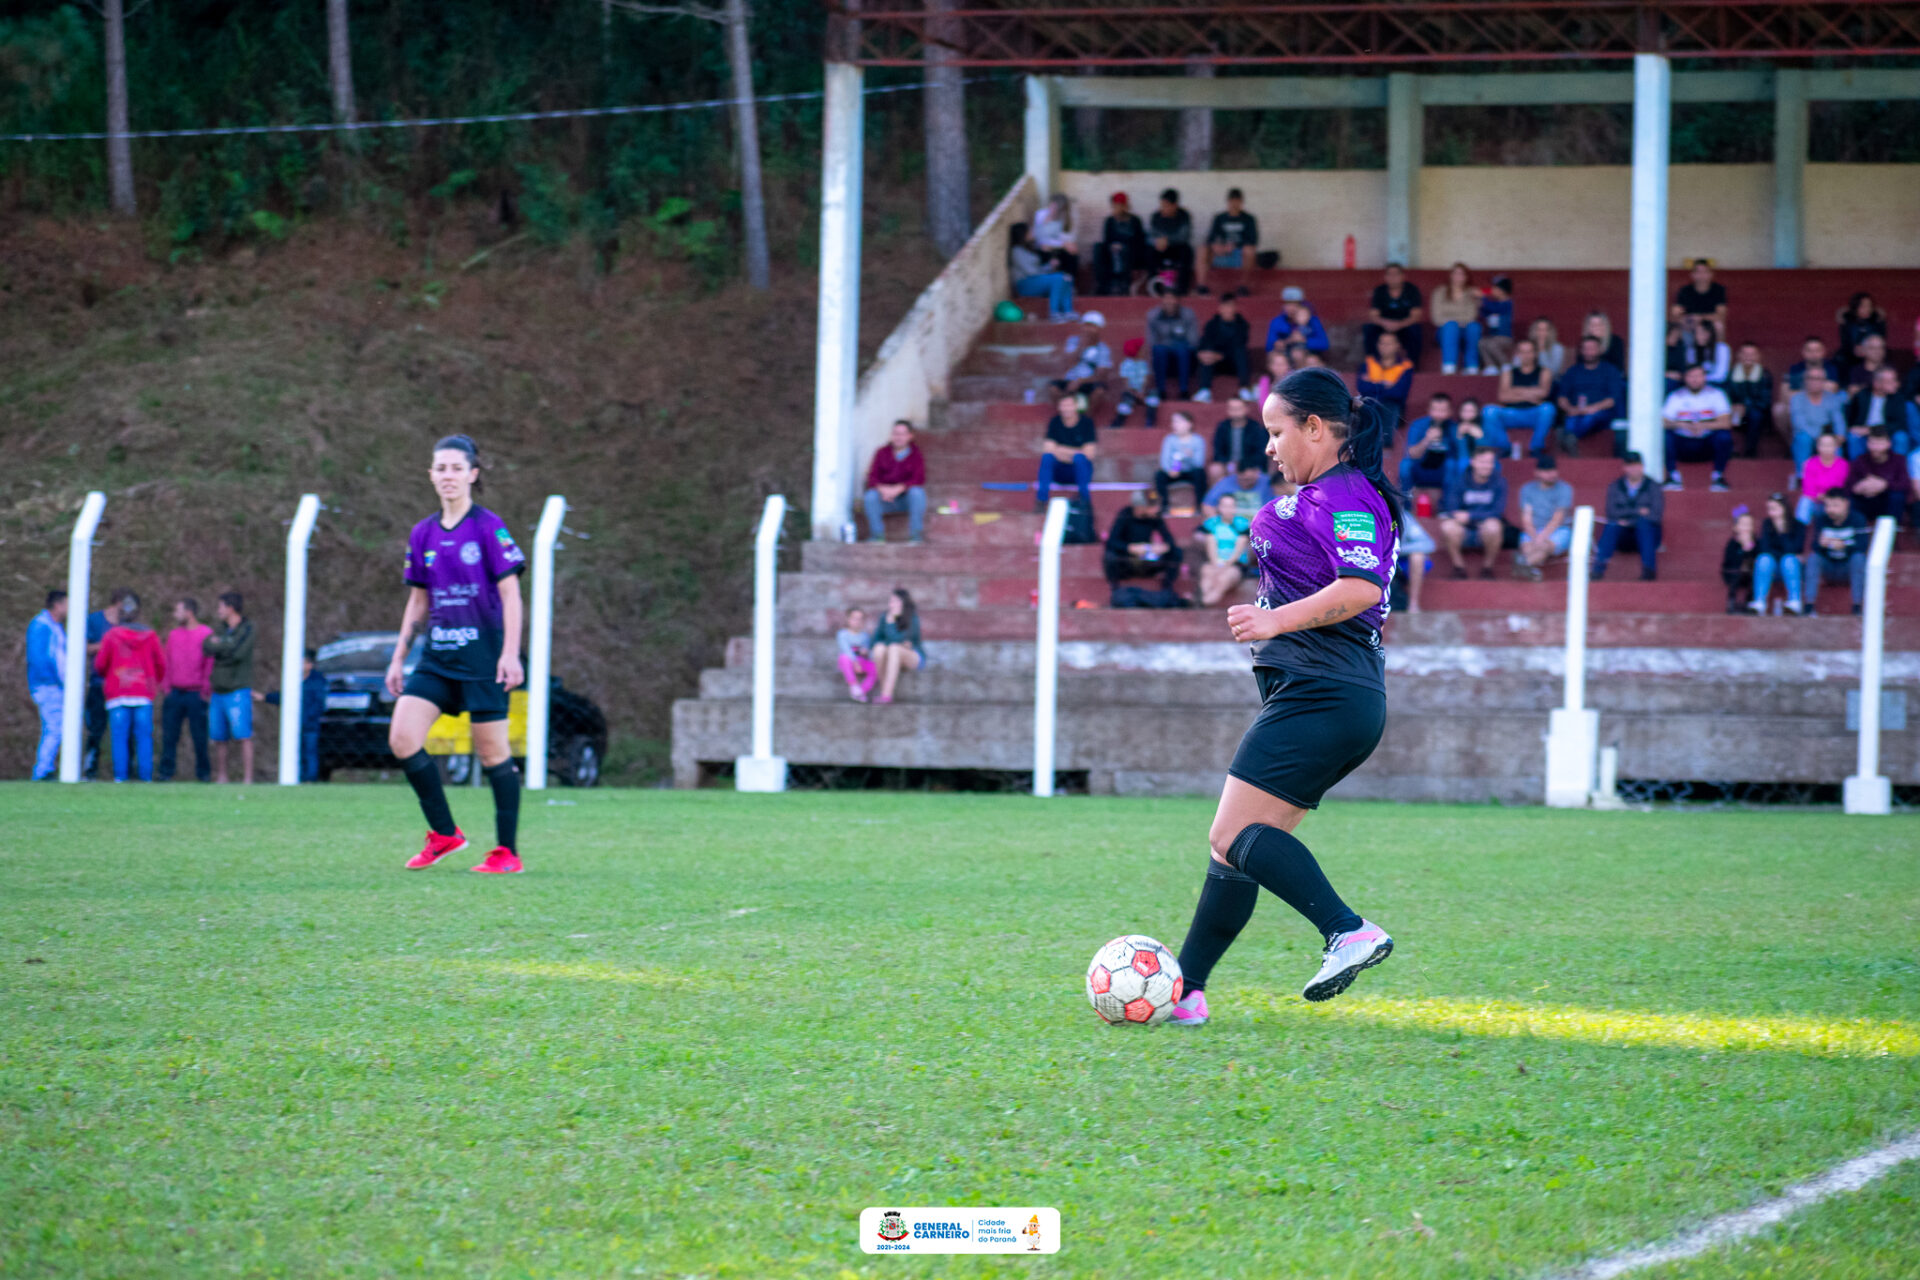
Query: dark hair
x,y
1234,193
1482,450
1396,266
462,443
1439,395
1361,422
1016,235
1544,461
1503,283
1702,262
907,612
232,600
1170,195
1836,492
193,606
1853,303
1594,338
1691,366
901,422
1813,337
313,655
1879,433
117,594
55,596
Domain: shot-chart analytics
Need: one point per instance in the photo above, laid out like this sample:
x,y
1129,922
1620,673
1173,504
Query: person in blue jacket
x,y
313,705
1296,323
47,679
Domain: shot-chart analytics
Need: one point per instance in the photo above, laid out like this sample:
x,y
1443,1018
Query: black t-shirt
x,y
1392,308
1175,229
1130,527
1518,377
1080,433
1249,449
1694,302
1234,230
1850,535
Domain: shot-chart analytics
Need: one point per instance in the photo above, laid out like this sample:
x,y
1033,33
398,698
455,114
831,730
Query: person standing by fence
x,y
47,680
132,667
231,710
189,670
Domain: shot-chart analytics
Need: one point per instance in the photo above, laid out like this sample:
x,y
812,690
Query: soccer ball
x,y
1134,979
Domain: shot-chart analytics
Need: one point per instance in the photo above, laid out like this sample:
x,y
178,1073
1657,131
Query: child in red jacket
x,y
133,665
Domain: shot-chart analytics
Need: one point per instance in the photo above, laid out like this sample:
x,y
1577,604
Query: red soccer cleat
x,y
438,847
501,862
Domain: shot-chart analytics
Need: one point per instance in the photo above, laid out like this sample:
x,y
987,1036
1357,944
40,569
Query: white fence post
x,y
293,636
1046,648
73,710
540,643
1867,791
1573,732
764,771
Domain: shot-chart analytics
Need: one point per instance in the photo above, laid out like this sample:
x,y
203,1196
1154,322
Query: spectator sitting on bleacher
x,y
1120,259
1859,320
1170,246
1296,323
1251,489
1700,344
1397,308
897,481
1826,469
1134,373
1699,425
1840,539
1547,347
1224,537
1496,325
1053,235
1813,355
1878,479
1239,441
1470,432
1416,544
1879,404
1172,334
1454,309
1737,560
1278,367
1301,356
1033,277
1387,376
1432,443
1871,358
1231,240
1592,393
1183,460
1702,296
896,644
1546,518
1815,410
1612,349
1524,411
1749,389
1472,513
1635,511
1067,453
854,659
1783,540
1094,358
1223,349
1139,545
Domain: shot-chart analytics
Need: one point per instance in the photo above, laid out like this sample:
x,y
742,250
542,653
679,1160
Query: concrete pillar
x,y
837,348
1647,281
1043,134
1406,143
1789,163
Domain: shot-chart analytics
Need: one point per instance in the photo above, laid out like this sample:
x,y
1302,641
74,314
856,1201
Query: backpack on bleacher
x,y
1079,524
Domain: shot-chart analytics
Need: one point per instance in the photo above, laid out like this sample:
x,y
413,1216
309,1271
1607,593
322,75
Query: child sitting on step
x,y
855,663
1134,373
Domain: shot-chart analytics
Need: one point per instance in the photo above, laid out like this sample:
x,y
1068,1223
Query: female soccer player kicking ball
x,y
463,581
1325,556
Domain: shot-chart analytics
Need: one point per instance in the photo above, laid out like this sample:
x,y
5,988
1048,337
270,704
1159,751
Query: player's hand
x,y
510,675
1251,624
396,678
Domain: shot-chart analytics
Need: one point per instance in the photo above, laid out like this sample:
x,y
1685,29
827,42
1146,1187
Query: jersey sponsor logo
x,y
454,637
1353,526
507,547
429,556
1360,557
470,553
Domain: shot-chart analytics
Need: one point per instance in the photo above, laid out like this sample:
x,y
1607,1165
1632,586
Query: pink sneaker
x,y
500,862
438,847
1191,1010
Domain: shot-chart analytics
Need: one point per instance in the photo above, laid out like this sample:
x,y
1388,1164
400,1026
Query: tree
x,y
949,218
733,19
340,62
119,146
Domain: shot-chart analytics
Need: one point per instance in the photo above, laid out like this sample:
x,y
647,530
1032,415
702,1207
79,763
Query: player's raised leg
x,y
413,717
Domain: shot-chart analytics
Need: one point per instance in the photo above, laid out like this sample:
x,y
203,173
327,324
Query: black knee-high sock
x,y
1282,864
1227,899
424,774
505,781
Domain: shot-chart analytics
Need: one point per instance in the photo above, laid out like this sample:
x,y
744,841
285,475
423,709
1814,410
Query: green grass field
x,y
703,1031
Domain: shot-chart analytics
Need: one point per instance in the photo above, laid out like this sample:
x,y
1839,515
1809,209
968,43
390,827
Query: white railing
x,y
1573,731
293,636
762,770
1867,791
73,709
540,643
1046,648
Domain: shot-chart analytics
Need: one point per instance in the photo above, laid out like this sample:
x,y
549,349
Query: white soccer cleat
x,y
1346,955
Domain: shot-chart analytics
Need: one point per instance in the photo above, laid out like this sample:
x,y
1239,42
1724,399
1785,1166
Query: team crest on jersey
x,y
1353,526
1360,558
1285,505
429,556
470,553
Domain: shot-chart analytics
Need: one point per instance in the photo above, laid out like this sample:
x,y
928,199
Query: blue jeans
x,y
1582,425
1644,535
1512,420
1167,360
309,755
1416,474
51,699
1788,567
1051,285
1450,335
135,723
913,502
1053,471
1715,447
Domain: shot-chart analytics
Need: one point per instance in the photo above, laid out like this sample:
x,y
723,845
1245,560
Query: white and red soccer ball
x,y
1134,980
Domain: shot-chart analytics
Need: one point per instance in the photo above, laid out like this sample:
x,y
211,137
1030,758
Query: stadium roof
x,y
1346,33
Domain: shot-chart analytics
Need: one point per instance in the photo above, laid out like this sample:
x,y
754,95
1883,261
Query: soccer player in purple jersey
x,y
463,581
1326,557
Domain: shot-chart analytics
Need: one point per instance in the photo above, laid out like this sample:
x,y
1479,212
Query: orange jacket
x,y
132,661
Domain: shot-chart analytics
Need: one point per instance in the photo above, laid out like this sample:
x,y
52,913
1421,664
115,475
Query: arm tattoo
x,y
1333,613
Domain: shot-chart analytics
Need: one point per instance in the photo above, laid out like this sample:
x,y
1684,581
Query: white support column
x,y
540,643
1573,732
1647,282
1046,648
73,702
837,353
764,771
1867,791
293,636
1789,163
1043,134
1406,152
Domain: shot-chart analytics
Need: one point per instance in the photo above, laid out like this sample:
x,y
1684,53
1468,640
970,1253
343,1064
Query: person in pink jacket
x,y
133,667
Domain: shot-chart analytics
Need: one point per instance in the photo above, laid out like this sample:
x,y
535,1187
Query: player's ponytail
x,y
464,444
1361,423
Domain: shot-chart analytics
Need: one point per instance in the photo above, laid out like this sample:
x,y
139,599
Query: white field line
x,y
1742,1223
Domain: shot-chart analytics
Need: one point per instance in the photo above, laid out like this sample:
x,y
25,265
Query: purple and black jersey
x,y
1336,527
460,569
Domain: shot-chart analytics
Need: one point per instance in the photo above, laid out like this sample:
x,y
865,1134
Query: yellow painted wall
x,y
1526,216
